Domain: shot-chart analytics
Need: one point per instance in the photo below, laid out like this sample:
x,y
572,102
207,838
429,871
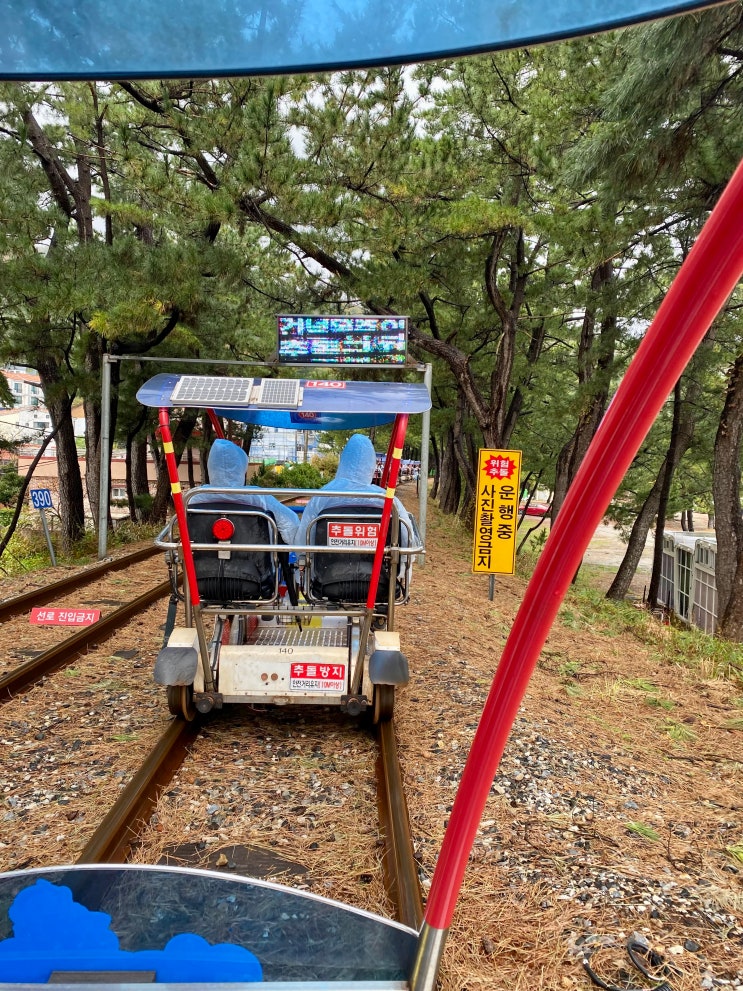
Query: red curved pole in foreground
x,y
703,284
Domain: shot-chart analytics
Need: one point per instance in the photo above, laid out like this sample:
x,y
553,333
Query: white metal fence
x,y
687,584
704,611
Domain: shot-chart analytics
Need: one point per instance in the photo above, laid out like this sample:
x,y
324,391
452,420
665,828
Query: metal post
x,y
105,456
431,944
45,528
423,473
491,591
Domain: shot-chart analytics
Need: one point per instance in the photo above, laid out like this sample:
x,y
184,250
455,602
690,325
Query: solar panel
x,y
208,390
278,392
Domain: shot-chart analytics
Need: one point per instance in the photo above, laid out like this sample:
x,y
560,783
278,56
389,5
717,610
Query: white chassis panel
x,y
280,675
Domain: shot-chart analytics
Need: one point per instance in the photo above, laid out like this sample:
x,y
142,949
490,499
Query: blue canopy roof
x,y
103,39
322,404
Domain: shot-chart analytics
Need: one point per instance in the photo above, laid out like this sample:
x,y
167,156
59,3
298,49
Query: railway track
x,y
118,831
19,604
112,841
33,670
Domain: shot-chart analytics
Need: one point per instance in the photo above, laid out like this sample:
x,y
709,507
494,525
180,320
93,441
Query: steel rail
x,y
401,871
40,596
50,660
111,842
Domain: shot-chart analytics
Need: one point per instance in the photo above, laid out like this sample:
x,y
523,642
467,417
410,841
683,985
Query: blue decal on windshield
x,y
53,932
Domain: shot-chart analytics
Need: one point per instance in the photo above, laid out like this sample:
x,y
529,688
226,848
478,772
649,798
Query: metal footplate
x,y
273,636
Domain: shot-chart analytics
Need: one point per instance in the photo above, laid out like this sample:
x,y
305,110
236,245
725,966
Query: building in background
x,y
28,419
277,445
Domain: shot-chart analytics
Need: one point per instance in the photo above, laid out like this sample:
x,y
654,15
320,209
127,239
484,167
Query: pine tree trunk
x,y
466,455
665,492
730,626
726,492
436,465
678,444
92,407
677,447
137,483
450,487
59,404
595,359
626,571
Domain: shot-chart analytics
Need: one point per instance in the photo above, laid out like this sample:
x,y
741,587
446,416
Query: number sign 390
x,y
41,498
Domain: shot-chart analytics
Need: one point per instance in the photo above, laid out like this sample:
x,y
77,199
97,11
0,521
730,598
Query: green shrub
x,y
10,483
294,476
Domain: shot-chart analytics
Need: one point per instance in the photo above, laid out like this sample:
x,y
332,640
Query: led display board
x,y
346,340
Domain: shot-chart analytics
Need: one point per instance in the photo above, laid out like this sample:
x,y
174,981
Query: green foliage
x,y
126,532
528,555
292,476
326,463
640,829
27,550
481,205
679,732
587,608
695,649
10,483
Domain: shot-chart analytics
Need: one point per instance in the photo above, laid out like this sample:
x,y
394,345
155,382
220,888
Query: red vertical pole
x,y
216,425
388,458
704,282
389,479
180,509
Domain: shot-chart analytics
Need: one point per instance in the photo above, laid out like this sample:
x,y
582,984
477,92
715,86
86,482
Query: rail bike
x,y
271,622
123,925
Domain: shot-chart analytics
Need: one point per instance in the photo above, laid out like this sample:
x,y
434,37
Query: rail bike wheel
x,y
384,703
180,702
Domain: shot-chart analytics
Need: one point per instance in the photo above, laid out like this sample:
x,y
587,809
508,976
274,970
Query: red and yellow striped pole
x,y
389,481
180,509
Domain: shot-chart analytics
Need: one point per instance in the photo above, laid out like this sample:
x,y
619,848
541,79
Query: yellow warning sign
x,y
496,512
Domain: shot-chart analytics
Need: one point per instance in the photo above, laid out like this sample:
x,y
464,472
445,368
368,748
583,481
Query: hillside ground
x,y
616,812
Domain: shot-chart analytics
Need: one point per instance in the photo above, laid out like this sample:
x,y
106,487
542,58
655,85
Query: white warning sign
x,y
317,677
358,536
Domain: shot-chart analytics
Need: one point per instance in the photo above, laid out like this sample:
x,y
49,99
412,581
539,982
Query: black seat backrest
x,y
244,576
345,577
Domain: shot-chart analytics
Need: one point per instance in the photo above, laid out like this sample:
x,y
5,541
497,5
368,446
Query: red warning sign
x,y
317,677
43,616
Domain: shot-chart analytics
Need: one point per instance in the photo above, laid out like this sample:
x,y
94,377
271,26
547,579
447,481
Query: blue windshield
x,y
102,39
185,926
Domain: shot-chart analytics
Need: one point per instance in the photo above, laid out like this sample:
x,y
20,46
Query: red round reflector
x,y
223,528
